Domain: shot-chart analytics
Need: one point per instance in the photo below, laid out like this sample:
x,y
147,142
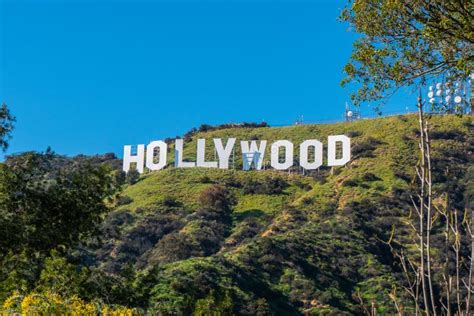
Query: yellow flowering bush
x,y
12,302
54,304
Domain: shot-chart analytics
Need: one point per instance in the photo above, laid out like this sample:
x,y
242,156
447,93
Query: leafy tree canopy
x,y
6,126
47,200
405,41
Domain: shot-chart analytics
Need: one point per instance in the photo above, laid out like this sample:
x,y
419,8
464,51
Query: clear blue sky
x,y
90,76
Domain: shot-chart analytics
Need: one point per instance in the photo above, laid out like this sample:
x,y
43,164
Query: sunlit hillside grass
x,y
381,147
296,243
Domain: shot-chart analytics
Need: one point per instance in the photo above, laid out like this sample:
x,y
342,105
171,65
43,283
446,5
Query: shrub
x,y
307,200
354,134
245,230
447,135
269,186
124,200
133,176
172,247
205,179
302,185
120,177
207,128
143,237
365,148
50,303
171,202
217,198
350,183
251,186
370,177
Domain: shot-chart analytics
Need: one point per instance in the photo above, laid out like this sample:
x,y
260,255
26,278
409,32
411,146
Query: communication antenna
x,y
451,96
351,115
300,120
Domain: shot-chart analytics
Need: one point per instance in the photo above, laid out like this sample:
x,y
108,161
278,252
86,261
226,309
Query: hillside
x,y
79,237
291,243
383,158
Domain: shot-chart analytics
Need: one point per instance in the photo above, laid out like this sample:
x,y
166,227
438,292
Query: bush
x,y
171,248
217,198
365,148
133,176
251,186
120,177
171,202
207,128
307,200
124,200
350,183
110,228
370,177
205,179
302,185
354,134
141,238
447,135
268,186
245,230
54,304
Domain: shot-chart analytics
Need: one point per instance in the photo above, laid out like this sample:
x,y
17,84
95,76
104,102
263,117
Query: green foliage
x,y
210,305
218,199
6,126
48,202
60,276
132,176
268,186
403,41
18,272
51,201
124,200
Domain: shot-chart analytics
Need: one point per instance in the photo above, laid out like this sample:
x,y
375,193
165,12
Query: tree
x,y
49,200
218,199
439,276
6,126
407,41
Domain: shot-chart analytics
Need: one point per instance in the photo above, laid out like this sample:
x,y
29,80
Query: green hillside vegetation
x,y
221,242
383,147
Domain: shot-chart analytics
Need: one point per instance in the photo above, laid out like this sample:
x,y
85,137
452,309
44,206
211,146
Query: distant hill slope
x,y
293,243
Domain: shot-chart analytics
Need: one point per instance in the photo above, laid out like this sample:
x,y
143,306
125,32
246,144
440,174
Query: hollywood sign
x,y
253,152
